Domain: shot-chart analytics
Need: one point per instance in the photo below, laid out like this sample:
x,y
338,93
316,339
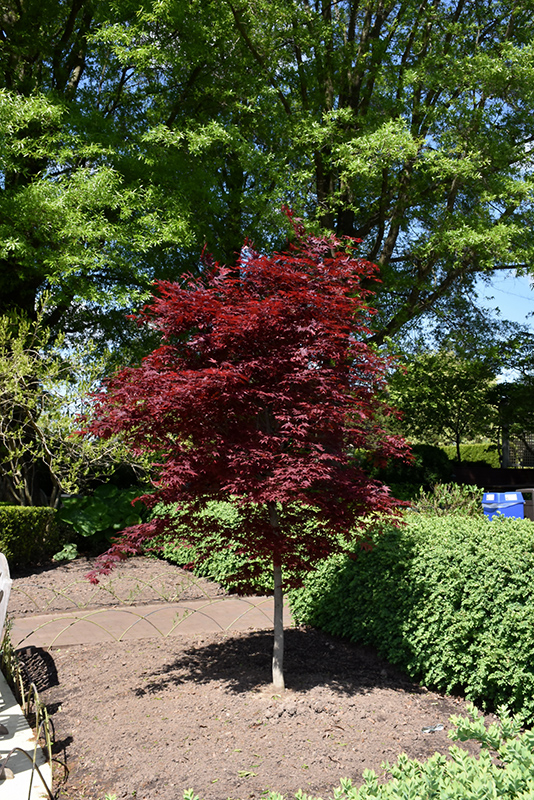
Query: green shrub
x,y
28,534
449,599
449,498
99,516
482,453
228,564
222,556
504,769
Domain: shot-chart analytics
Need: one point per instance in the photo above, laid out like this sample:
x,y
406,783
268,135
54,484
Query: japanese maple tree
x,y
262,393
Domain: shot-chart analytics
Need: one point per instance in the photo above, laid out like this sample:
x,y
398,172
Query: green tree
x,y
405,123
43,389
137,132
444,399
78,219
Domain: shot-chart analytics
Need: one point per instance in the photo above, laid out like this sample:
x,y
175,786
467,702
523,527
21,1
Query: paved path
x,y
91,626
88,626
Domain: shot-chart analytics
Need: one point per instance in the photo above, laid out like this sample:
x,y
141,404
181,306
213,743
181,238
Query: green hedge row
x,y
505,769
449,599
430,465
484,452
28,534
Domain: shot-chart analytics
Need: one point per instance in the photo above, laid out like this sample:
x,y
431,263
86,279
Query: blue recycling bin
x,y
509,504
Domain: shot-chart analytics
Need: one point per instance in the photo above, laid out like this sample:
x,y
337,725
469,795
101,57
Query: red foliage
x,y
261,391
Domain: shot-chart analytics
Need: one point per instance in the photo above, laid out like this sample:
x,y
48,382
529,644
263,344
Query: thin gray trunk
x,y
278,648
505,458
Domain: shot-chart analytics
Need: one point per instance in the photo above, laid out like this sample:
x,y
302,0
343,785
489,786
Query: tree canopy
x,y
134,133
78,218
444,398
261,394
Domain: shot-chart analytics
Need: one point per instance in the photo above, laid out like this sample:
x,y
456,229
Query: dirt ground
x,y
151,718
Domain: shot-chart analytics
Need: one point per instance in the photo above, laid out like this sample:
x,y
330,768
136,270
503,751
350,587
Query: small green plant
x,y
449,498
230,566
246,773
68,553
99,516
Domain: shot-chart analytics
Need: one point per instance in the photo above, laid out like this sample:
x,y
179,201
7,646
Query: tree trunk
x,y
278,648
505,454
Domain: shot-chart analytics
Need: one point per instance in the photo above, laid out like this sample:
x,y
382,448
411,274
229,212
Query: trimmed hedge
x,y
504,769
481,453
449,599
28,534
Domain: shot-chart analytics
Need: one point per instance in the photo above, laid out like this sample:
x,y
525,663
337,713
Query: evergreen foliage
x,y
430,465
475,453
450,599
28,535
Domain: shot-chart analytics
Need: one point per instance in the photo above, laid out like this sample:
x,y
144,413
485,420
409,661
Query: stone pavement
x,y
88,626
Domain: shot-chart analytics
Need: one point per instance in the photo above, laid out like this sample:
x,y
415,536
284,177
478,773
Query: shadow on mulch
x,y
312,658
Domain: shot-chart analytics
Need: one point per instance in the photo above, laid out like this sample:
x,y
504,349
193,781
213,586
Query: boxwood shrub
x,y
449,599
28,534
480,453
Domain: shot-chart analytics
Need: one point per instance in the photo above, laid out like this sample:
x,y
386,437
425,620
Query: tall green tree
x,y
444,399
78,219
137,132
404,123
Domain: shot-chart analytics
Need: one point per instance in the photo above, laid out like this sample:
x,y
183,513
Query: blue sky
x,y
513,296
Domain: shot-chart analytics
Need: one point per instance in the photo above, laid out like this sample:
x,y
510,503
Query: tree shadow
x,y
312,658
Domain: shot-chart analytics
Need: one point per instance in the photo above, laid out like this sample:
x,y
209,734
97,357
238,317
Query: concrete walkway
x,y
90,626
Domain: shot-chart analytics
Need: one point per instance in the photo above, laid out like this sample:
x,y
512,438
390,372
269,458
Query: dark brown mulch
x,y
151,718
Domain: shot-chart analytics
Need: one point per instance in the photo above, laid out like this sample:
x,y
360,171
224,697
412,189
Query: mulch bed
x,y
151,718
